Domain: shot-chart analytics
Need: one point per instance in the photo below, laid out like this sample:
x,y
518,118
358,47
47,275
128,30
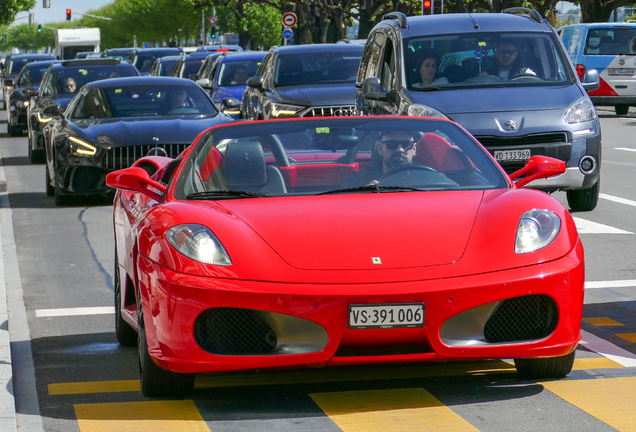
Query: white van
x,y
69,42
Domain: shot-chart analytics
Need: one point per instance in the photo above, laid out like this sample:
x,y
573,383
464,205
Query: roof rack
x,y
399,16
532,13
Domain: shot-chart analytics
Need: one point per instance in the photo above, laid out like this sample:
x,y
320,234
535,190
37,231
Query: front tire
x,y
35,156
581,200
154,380
621,110
126,335
551,367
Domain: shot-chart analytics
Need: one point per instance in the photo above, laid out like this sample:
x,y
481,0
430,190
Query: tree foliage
x,y
10,8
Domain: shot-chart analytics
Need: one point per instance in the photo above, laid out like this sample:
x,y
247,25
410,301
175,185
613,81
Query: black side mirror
x,y
8,83
591,80
255,82
231,103
29,91
53,111
372,90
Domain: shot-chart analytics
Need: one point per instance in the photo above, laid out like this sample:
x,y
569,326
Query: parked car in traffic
x,y
227,78
110,124
143,58
610,48
13,66
443,258
503,76
163,66
303,81
25,88
188,66
220,48
118,53
59,85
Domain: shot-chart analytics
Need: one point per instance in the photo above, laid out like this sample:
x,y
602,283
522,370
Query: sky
x,y
57,11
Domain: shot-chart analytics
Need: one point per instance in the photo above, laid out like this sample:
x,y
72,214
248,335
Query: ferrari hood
x,y
364,231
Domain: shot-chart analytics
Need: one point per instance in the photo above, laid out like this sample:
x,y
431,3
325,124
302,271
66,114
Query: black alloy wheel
x,y
156,382
551,367
126,335
581,200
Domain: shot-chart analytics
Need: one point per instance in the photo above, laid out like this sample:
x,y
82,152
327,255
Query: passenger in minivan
x,y
429,61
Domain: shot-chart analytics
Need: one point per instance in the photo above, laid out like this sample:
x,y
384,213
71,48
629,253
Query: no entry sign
x,y
289,19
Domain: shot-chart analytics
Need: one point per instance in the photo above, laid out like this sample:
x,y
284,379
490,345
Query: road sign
x,y
288,33
289,19
146,44
214,19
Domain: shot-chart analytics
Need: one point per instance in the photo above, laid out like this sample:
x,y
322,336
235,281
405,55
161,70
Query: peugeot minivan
x,y
538,106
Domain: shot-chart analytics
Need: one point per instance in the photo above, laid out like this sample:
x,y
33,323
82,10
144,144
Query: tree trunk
x,y
596,10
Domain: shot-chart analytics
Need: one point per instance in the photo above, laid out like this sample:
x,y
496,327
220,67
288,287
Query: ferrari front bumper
x,y
457,310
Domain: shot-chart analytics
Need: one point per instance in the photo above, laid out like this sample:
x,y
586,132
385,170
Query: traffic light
x,y
427,7
213,32
39,28
438,7
68,14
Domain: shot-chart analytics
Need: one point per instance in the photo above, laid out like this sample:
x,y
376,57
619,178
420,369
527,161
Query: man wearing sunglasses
x,y
395,148
506,65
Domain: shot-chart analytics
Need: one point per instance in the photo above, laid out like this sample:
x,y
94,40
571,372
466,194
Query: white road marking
x,y
617,199
611,284
608,349
624,148
589,227
65,312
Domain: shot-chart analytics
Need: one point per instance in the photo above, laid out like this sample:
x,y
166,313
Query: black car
x,y
143,58
220,48
112,123
57,89
189,66
163,66
118,53
12,68
303,81
26,86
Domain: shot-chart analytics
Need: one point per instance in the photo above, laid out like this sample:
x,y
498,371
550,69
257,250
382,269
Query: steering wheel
x,y
408,167
522,75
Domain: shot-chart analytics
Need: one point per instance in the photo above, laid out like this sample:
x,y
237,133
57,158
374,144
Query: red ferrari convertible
x,y
341,241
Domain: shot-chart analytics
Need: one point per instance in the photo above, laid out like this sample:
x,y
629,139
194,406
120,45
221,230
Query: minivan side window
x,y
365,59
375,56
387,71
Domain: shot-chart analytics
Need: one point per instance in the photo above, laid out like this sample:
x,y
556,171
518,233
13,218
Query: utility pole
x,y
203,26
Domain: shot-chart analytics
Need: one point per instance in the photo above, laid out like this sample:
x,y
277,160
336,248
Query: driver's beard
x,y
399,159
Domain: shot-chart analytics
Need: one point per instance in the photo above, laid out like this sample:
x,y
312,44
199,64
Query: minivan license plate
x,y
512,155
387,316
621,71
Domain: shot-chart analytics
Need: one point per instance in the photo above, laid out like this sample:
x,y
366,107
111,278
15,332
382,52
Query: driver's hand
x,y
373,183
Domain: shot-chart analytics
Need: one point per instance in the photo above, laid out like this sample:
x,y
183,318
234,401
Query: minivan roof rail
x,y
399,16
525,11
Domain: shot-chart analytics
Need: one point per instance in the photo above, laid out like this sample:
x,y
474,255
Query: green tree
x,y
27,38
10,8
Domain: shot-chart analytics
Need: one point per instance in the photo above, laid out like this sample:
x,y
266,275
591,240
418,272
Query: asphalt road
x,y
86,382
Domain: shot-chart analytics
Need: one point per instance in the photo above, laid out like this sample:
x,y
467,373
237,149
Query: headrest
x,y
245,164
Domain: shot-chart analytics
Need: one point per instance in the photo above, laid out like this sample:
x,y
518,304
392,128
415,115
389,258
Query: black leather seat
x,y
245,170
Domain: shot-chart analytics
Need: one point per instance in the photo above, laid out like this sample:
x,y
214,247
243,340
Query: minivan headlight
x,y
581,110
536,230
198,243
421,110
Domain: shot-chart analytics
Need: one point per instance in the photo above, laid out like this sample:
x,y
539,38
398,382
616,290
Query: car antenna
x,y
471,18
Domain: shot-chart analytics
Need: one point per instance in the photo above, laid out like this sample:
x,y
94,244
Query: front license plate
x,y
512,155
386,315
620,71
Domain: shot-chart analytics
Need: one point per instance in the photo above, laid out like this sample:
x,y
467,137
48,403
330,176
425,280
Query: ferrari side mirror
x,y
537,167
136,180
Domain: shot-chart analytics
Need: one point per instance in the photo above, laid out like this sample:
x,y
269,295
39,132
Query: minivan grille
x,y
124,157
497,141
337,111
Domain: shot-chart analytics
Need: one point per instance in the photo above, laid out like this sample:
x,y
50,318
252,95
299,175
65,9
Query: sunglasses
x,y
394,144
507,52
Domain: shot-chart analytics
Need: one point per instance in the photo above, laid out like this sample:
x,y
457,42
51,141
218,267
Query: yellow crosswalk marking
x,y
595,363
155,416
602,322
94,387
610,400
629,337
393,410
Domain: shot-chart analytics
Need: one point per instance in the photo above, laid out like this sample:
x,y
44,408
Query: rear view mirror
x,y
335,142
230,102
591,80
537,167
255,82
136,180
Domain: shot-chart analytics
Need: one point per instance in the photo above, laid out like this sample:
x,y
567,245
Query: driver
x,y
177,98
395,148
505,66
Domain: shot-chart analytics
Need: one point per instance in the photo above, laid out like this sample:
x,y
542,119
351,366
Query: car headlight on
x,y
580,111
44,119
81,147
281,110
231,111
536,230
420,110
198,243
26,103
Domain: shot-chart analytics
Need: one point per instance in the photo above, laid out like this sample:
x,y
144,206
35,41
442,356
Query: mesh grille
x,y
497,141
233,331
337,111
522,318
124,157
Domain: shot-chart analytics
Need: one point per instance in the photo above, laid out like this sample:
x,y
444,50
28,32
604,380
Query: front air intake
x,y
522,319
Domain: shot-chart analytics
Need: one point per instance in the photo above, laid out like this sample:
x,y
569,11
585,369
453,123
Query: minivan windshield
x,y
485,60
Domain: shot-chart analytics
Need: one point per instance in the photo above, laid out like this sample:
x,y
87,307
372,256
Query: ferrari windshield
x,y
335,156
485,59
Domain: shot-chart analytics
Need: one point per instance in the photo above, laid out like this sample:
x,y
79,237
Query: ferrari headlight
x,y
420,110
198,243
281,110
580,111
536,230
81,148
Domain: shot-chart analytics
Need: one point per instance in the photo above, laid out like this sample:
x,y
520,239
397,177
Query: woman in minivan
x,y
429,60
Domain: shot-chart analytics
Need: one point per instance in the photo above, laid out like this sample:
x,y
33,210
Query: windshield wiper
x,y
374,189
225,194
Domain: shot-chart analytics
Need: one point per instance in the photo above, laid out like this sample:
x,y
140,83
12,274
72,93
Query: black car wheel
x,y
581,200
621,110
154,380
551,367
60,199
126,335
50,190
36,156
